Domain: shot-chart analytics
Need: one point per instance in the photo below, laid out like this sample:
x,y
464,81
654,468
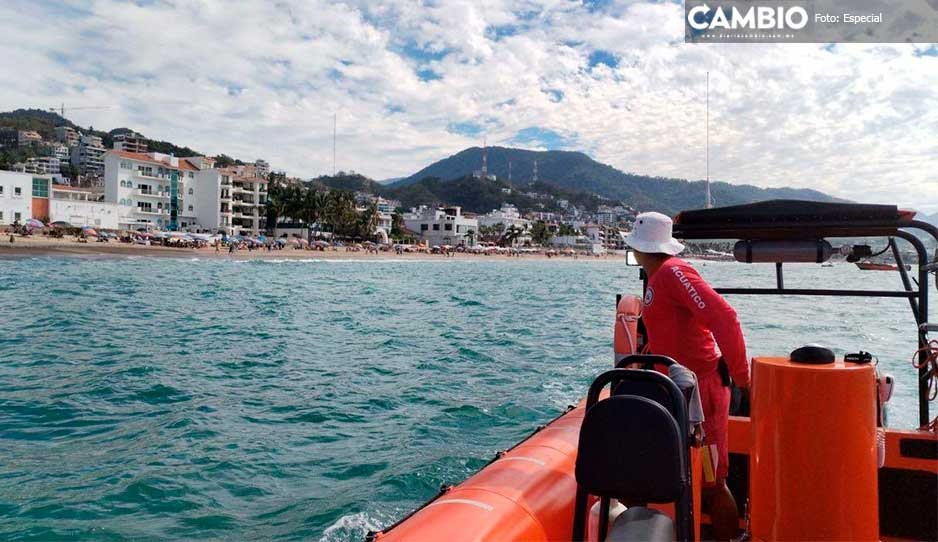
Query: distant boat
x,y
870,266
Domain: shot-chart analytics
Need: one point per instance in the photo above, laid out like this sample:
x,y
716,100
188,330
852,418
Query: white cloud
x,y
263,80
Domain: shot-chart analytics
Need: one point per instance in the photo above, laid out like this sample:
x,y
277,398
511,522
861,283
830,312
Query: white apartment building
x,y
262,168
15,197
507,215
28,138
130,142
441,226
82,207
57,150
66,135
88,155
43,165
231,202
152,190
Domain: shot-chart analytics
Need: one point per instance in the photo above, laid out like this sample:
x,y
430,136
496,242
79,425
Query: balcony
x,y
151,193
153,212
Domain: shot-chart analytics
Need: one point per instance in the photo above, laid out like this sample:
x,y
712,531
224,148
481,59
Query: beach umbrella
x,y
262,238
281,241
33,223
60,224
88,231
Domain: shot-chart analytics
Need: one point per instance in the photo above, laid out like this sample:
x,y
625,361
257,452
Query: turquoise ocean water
x,y
162,399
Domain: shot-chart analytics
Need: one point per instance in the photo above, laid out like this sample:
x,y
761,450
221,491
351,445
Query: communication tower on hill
x,y
485,163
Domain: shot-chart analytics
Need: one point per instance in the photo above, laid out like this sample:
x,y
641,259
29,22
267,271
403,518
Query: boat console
x,y
813,460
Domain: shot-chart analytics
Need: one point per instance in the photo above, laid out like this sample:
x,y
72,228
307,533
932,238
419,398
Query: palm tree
x,y
471,236
304,204
339,212
368,221
512,233
277,203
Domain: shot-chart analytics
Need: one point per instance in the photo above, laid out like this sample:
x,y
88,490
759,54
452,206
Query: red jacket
x,y
683,315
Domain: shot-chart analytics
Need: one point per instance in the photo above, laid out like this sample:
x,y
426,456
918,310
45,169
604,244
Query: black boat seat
x,y
642,524
634,448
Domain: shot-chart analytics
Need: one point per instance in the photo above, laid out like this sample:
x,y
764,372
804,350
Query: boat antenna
x,y
709,199
333,143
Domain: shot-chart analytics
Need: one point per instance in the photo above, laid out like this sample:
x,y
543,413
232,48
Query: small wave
x,y
351,527
462,302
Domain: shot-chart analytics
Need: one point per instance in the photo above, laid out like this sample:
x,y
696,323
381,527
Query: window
x,y
123,184
436,227
191,176
40,188
1,215
424,227
17,217
190,208
1,190
190,193
125,164
448,227
17,191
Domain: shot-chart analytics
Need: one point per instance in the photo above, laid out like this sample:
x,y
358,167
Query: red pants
x,y
716,409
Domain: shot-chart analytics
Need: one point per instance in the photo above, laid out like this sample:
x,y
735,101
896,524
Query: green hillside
x,y
473,195
45,122
575,170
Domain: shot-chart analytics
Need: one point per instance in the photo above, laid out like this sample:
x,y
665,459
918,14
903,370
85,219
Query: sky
x,y
414,81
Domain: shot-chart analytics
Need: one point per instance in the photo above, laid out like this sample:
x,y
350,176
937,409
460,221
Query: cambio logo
x,y
753,18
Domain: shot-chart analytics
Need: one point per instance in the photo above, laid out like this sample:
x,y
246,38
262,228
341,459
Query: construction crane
x,y
61,110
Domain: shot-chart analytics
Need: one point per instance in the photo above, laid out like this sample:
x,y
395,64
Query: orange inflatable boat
x,y
817,464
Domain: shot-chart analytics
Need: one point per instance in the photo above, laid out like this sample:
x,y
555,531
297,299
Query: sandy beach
x,y
40,246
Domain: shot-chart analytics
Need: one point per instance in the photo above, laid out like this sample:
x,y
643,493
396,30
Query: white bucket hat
x,y
652,233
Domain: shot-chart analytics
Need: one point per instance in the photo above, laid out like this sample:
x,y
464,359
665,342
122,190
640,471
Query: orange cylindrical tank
x,y
625,334
813,470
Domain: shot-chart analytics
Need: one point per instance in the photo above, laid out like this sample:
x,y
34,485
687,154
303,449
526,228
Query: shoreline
x,y
53,248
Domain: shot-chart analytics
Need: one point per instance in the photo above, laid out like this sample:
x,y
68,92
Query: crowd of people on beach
x,y
67,234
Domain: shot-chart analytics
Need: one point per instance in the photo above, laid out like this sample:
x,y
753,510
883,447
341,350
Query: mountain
x,y
473,195
576,170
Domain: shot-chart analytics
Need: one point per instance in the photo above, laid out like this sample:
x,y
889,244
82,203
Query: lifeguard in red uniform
x,y
686,320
